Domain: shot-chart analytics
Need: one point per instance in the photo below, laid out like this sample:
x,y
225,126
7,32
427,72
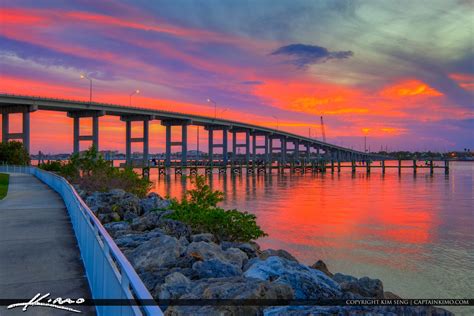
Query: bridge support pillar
x,y
212,144
296,154
128,119
255,147
236,145
24,136
94,137
308,152
183,144
281,149
295,150
267,157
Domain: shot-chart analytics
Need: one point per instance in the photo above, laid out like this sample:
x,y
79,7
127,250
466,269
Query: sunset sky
x,y
400,72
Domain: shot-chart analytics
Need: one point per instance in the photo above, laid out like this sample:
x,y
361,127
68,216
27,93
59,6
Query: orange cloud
x,y
315,98
383,131
409,88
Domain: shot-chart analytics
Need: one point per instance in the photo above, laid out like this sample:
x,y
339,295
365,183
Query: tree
x,y
14,153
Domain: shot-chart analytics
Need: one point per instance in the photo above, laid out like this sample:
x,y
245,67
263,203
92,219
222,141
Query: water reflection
x,y
415,232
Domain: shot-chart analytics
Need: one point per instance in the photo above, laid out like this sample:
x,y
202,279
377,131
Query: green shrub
x,y
55,166
93,173
14,153
198,208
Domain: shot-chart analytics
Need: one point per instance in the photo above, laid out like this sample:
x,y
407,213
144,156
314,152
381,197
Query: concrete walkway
x,y
38,249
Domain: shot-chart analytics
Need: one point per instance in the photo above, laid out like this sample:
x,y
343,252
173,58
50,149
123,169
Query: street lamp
x,y
85,76
209,100
278,122
131,94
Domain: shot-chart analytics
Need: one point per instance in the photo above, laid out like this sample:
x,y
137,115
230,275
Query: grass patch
x,y
3,185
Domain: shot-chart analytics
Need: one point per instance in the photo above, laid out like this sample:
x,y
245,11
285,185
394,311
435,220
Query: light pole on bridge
x,y
131,94
215,106
85,76
277,120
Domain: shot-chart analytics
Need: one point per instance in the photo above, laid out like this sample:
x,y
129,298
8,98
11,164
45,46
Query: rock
x,y
153,279
174,228
206,251
183,241
355,310
366,287
183,262
279,253
250,263
129,202
230,288
133,240
215,268
116,201
307,283
251,249
153,220
321,266
117,193
93,201
207,237
115,217
153,202
112,228
146,222
155,253
129,216
176,284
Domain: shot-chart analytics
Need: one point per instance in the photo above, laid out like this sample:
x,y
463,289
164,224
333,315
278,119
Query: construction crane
x,y
323,132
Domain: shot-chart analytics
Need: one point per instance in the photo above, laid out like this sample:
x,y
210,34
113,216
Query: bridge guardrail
x,y
109,273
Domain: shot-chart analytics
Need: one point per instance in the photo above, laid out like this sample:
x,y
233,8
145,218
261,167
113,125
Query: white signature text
x,y
44,301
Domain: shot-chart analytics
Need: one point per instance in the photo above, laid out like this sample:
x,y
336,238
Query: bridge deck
x,y
38,249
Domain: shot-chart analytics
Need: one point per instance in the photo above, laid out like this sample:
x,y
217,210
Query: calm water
x,y
415,233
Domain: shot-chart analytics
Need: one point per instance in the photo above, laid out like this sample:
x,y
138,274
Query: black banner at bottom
x,y
260,302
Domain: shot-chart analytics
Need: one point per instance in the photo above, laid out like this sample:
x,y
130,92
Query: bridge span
x,y
272,143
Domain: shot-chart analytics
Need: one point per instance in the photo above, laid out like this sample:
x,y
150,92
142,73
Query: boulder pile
x,y
174,263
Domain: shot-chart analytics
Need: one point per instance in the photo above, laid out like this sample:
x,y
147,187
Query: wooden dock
x,y
193,168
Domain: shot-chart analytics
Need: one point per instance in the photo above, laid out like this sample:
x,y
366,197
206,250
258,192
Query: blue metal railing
x,y
109,273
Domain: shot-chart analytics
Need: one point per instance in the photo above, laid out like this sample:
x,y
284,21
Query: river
x,y
414,232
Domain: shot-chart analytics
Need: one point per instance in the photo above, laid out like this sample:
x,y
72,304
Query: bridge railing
x,y
109,273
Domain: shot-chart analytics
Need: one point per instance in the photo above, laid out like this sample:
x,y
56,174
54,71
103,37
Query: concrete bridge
x,y
272,143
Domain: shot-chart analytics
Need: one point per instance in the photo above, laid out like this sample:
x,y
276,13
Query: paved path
x,y
38,249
